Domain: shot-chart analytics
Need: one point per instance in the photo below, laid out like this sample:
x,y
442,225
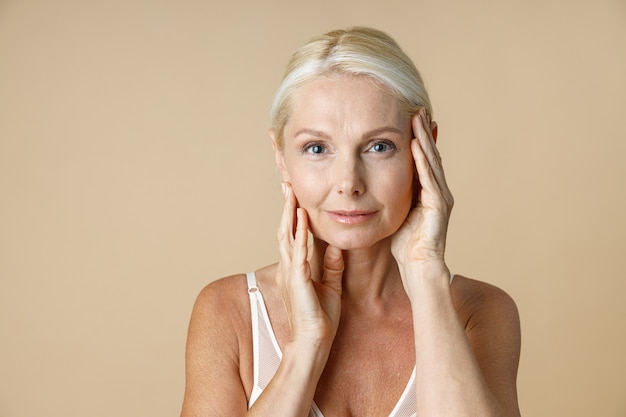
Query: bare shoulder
x,y
219,316
223,297
223,292
478,301
224,304
219,350
226,299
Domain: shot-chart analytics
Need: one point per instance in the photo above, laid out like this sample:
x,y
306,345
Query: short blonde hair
x,y
355,51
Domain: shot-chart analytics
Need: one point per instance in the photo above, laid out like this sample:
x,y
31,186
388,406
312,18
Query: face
x,y
347,155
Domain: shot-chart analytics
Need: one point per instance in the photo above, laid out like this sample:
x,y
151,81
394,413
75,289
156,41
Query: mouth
x,y
351,217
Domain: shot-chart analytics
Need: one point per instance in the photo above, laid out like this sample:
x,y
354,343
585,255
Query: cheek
x,y
306,185
309,192
401,190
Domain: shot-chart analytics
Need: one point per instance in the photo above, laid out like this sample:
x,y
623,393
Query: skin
x,y
372,289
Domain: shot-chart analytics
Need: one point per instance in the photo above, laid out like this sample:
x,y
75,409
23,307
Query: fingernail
x,y
298,215
284,187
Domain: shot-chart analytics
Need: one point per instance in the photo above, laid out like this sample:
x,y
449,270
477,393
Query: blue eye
x,y
382,147
314,148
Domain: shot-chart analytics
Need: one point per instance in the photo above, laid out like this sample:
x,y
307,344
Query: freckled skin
x,y
347,147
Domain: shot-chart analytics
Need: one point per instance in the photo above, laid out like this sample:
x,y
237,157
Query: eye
x,y
314,149
382,146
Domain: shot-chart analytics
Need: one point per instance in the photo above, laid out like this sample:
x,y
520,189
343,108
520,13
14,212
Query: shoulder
x,y
477,300
219,314
491,321
492,326
222,296
218,359
225,302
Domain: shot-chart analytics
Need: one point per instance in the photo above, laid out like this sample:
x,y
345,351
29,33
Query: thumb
x,y
333,267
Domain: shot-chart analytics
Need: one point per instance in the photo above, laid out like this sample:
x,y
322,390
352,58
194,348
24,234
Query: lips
x,y
351,217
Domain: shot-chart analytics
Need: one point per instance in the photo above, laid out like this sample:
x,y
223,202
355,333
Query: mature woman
x,y
367,320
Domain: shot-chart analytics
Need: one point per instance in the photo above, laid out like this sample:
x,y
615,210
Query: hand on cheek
x,y
422,238
313,303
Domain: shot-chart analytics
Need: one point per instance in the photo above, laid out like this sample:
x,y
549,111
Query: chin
x,y
351,241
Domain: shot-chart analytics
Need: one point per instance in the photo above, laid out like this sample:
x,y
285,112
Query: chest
x,y
370,364
368,370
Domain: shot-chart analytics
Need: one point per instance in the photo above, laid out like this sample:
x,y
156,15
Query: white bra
x,y
267,356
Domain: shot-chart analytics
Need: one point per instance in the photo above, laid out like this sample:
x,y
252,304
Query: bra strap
x,y
251,278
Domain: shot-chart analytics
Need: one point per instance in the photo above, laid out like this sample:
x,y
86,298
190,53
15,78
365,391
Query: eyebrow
x,y
385,129
312,132
375,132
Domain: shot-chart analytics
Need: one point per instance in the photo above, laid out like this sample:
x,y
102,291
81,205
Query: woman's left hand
x,y
419,245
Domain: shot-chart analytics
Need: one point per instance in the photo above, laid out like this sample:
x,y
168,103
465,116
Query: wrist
x,y
307,356
425,280
432,271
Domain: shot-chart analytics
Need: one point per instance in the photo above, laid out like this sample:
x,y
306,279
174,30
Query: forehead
x,y
345,100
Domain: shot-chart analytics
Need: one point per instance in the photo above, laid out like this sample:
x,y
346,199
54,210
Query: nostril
x,y
348,178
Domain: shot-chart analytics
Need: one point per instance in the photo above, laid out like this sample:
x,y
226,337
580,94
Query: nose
x,y
349,176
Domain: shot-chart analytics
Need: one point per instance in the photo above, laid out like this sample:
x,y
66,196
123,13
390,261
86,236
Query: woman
x,y
368,320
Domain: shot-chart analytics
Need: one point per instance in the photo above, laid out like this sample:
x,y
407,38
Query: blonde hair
x,y
355,51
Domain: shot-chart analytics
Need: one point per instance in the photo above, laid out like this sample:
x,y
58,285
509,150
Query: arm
x,y
465,368
213,386
461,370
214,375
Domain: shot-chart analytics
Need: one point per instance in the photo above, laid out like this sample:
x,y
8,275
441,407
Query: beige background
x,y
135,168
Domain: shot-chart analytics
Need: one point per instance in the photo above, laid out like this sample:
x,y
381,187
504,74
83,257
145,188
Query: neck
x,y
370,277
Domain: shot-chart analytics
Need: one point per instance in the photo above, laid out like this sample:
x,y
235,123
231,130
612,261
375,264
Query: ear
x,y
434,128
279,157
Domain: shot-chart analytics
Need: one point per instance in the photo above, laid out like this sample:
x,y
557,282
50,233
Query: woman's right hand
x,y
313,303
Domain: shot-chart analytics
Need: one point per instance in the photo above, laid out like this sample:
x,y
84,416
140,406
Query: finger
x,y
439,173
432,152
427,151
433,183
421,128
300,246
333,268
422,164
286,225
428,125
